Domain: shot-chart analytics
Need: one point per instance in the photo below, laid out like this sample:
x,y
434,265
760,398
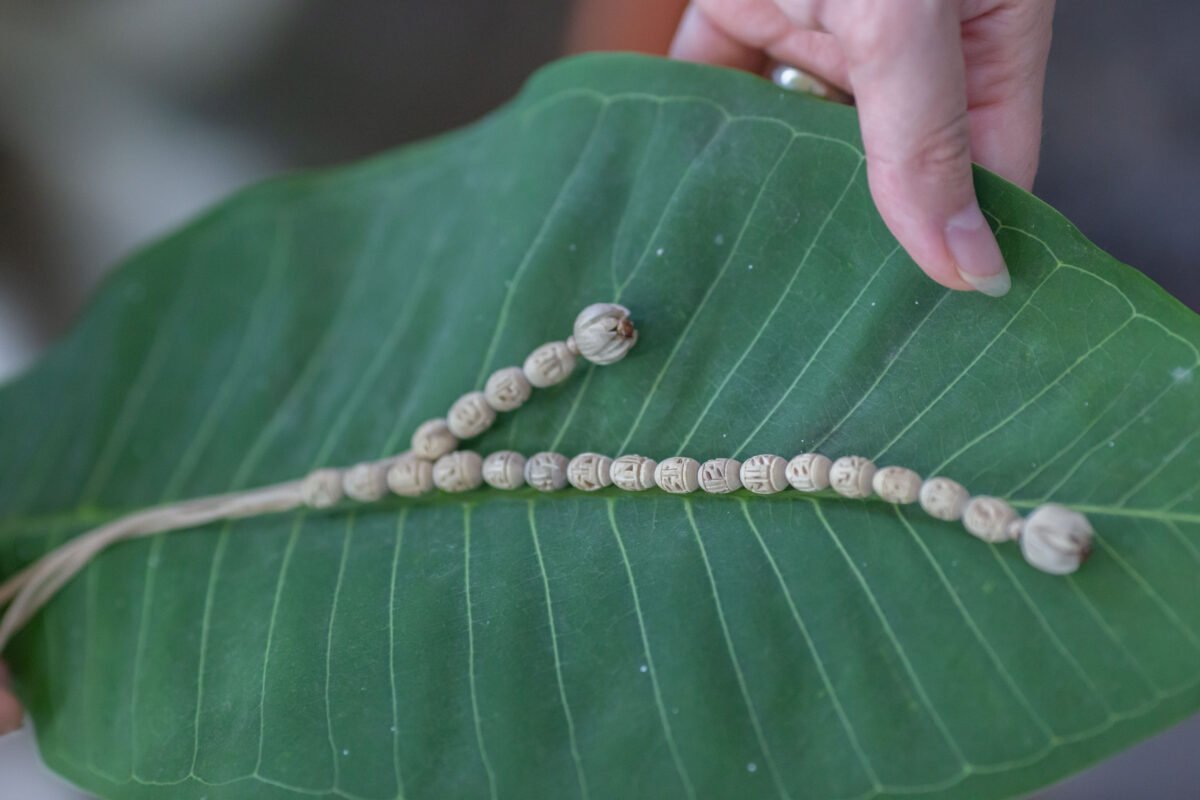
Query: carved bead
x,y
633,473
590,471
546,472
809,472
470,416
851,476
678,475
410,476
507,389
721,475
433,439
604,333
322,488
764,474
460,471
550,364
988,518
504,469
1056,539
897,485
366,482
943,498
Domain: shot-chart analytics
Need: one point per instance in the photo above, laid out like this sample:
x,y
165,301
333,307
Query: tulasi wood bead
x,y
366,482
678,475
504,469
764,474
551,363
460,471
1056,539
988,518
470,416
851,476
721,475
604,333
589,471
433,439
507,389
546,472
633,473
943,498
410,476
809,472
897,485
322,488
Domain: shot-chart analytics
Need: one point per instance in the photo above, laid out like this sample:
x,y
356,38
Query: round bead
x,y
550,364
851,476
943,498
546,472
460,471
366,482
504,469
678,475
322,488
633,473
764,474
433,439
410,476
897,485
721,475
809,472
507,389
604,333
470,416
988,518
590,471
1056,539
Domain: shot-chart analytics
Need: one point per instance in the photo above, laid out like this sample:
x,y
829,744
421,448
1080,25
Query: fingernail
x,y
975,250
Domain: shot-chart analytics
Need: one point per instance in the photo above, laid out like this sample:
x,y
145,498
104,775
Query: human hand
x,y
937,83
10,709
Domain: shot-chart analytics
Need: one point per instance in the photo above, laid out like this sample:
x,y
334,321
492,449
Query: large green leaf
x,y
607,646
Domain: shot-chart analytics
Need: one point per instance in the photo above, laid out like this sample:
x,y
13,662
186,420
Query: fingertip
x,y
699,39
10,712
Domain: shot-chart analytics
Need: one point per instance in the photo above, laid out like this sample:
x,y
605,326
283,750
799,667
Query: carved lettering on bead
x,y
460,471
546,472
433,439
897,485
550,364
943,498
764,474
470,416
589,471
507,389
322,488
988,518
504,469
678,475
809,472
721,475
851,476
410,476
633,473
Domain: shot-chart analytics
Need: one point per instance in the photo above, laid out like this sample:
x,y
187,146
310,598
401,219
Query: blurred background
x,y
119,119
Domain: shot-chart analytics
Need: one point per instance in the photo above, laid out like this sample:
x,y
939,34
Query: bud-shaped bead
x,y
433,439
507,389
633,473
551,363
460,471
851,476
589,471
809,472
943,498
1056,539
678,475
721,475
897,485
322,488
546,472
366,482
410,476
764,474
504,469
988,518
470,416
604,333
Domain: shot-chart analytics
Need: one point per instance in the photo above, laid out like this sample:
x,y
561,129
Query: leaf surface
x,y
521,645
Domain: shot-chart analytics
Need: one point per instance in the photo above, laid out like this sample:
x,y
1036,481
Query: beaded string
x,y
1053,538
